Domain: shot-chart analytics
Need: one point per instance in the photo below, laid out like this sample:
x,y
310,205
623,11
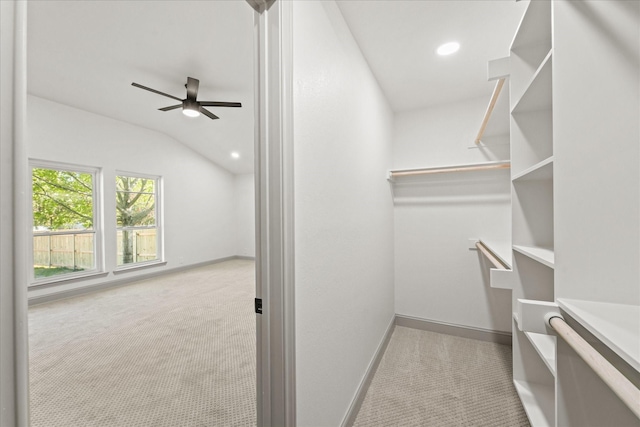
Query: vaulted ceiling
x,y
86,54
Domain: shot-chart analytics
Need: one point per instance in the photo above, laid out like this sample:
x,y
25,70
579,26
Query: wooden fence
x,y
75,251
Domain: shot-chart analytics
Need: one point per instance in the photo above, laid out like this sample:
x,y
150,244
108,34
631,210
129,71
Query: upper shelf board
x,y
540,254
538,172
537,95
616,325
535,26
448,169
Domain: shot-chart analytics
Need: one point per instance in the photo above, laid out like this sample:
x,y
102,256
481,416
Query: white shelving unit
x,y
574,85
534,355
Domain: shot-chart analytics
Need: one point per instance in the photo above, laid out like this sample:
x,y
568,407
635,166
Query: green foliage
x,y
62,200
135,206
135,201
52,271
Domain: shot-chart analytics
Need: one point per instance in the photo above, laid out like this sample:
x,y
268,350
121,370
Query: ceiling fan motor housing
x,y
189,104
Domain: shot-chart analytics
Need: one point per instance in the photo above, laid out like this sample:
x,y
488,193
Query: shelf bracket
x,y
533,315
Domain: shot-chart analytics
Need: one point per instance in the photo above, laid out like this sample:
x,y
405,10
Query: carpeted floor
x,y
428,379
178,350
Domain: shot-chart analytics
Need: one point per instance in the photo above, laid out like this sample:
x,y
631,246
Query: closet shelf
x,y
397,173
545,345
537,172
537,94
538,401
487,114
616,325
535,26
541,254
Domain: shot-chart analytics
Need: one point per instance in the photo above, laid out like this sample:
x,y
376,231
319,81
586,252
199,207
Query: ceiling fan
x,y
190,105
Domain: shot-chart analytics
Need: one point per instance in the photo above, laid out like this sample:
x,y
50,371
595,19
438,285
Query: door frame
x,y
274,215
14,227
275,327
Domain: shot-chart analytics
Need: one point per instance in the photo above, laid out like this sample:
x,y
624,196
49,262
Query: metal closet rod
x,y
617,382
491,256
447,169
492,105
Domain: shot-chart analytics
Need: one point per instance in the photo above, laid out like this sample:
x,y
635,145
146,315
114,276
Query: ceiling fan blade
x,y
209,114
173,107
155,91
220,104
192,88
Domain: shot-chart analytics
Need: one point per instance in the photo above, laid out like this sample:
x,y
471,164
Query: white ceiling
x,y
86,54
399,39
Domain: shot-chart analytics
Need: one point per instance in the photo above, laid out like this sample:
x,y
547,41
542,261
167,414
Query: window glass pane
x,y
137,246
63,207
135,208
62,200
62,253
136,219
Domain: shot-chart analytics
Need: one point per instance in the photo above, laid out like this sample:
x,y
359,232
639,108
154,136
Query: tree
x,y
62,200
135,206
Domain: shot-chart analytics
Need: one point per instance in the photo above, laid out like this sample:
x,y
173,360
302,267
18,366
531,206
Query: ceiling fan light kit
x,y
191,107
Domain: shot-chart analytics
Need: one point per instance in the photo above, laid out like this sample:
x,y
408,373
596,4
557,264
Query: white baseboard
x,y
70,293
456,330
354,408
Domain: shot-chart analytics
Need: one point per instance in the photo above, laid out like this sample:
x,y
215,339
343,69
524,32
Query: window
x,y
65,221
137,217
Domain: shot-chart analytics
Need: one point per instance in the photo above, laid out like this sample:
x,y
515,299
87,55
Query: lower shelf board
x,y
541,254
545,345
538,401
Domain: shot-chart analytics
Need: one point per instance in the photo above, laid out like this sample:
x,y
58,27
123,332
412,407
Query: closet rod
x,y
491,256
458,168
618,383
487,114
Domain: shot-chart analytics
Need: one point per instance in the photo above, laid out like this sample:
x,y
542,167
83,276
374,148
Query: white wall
x,y
244,190
199,205
343,214
437,277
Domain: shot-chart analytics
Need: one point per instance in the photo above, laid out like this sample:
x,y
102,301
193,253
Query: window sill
x,y
41,284
141,266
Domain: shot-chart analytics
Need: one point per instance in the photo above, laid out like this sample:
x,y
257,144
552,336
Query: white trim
x,y
125,268
98,222
21,216
67,277
356,403
274,214
499,337
159,225
70,293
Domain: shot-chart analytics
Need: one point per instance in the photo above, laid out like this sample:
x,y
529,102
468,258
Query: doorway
x,y
196,175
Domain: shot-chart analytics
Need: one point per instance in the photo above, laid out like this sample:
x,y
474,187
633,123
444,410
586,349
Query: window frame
x,y
97,231
159,225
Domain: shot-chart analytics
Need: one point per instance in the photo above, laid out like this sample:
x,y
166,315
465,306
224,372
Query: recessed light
x,y
448,48
235,155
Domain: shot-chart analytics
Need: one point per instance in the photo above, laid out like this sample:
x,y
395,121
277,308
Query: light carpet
x,y
178,350
430,379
